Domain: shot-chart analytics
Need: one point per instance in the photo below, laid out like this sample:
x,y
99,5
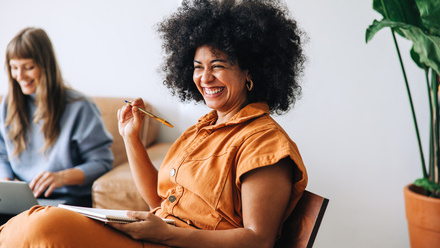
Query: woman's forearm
x,y
143,171
72,176
237,237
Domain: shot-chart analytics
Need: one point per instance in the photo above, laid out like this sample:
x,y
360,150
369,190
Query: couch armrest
x,y
109,108
116,189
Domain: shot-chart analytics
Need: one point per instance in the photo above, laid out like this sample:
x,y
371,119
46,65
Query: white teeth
x,y
213,91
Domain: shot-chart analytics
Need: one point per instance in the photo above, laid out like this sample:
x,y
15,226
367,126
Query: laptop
x,y
17,196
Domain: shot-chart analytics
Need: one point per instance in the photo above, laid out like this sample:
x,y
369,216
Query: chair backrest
x,y
300,229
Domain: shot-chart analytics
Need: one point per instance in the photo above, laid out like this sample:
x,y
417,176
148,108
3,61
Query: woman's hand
x,y
150,228
48,181
130,119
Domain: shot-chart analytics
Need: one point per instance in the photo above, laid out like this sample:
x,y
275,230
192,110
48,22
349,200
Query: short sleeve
x,y
266,147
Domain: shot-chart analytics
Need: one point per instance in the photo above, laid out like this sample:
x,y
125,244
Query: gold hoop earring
x,y
250,86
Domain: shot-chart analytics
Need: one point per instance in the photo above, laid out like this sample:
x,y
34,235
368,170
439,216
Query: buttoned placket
x,y
176,193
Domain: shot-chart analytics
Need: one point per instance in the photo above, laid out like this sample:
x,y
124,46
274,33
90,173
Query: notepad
x,y
106,215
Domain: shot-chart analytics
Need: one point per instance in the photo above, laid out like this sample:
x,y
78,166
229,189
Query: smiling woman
x,y
253,36
234,177
220,81
26,73
45,126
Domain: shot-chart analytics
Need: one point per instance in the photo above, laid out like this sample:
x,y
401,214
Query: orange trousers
x,y
56,227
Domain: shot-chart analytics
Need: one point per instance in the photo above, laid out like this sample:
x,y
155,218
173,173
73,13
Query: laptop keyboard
x,y
50,202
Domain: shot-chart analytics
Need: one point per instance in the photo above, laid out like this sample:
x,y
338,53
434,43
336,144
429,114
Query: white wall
x,y
353,124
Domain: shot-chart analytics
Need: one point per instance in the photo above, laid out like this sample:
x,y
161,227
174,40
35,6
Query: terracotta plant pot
x,y
423,215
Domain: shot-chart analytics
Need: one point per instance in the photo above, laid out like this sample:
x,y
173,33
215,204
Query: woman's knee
x,y
57,227
41,224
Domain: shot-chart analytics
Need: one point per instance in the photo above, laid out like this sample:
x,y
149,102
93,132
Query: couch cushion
x,y
117,190
109,108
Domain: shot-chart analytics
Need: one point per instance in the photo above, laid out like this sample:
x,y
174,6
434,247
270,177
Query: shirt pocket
x,y
206,174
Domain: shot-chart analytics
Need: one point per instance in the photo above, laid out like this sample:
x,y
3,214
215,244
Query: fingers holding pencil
x,y
130,120
126,112
135,107
138,102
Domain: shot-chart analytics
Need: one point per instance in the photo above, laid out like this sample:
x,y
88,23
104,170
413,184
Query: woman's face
x,y
26,73
222,84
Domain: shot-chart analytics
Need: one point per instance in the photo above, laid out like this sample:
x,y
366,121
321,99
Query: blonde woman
x,y
50,135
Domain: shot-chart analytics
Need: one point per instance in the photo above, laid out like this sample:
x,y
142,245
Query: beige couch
x,y
116,188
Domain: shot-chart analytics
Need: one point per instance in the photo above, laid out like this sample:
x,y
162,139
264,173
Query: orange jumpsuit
x,y
199,181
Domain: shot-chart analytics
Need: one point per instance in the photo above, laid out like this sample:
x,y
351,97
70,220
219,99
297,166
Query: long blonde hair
x,y
50,95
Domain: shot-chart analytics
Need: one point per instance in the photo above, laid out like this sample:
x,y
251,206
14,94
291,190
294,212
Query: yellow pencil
x,y
152,115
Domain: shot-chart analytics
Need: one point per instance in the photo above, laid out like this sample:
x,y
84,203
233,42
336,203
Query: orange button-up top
x,y
200,178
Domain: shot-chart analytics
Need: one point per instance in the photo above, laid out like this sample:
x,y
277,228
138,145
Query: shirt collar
x,y
250,111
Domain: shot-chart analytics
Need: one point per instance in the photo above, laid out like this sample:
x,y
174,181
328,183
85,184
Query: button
x,y
173,172
171,198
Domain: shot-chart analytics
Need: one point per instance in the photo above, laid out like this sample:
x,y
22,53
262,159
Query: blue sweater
x,y
83,143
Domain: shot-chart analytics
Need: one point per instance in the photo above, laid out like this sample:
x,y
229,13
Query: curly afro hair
x,y
259,35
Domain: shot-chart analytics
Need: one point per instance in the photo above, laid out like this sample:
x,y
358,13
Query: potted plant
x,y
419,22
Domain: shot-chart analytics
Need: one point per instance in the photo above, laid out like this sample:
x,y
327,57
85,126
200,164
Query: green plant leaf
x,y
426,46
416,58
404,11
429,186
385,23
378,25
430,15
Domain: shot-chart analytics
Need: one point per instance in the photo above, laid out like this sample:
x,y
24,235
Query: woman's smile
x,y
26,84
26,73
220,81
213,91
